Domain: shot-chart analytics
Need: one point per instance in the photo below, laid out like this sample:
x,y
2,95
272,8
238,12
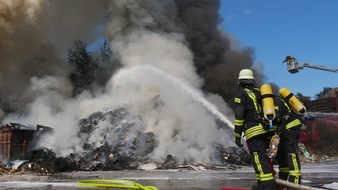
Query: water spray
x,y
189,90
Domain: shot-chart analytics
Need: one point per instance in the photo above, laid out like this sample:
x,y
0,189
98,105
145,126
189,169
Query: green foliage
x,y
322,93
106,68
108,64
85,66
304,99
105,51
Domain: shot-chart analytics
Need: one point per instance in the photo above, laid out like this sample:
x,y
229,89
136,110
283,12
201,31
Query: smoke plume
x,y
167,48
35,35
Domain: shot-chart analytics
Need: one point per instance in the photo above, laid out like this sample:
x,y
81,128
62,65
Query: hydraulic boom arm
x,y
293,66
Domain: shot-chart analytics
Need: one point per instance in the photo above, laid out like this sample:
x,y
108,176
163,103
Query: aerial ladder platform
x,y
294,67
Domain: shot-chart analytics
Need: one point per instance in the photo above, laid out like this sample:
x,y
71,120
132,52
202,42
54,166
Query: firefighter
x,y
289,132
248,114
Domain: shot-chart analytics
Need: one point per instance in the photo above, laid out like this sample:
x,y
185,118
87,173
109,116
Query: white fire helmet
x,y
246,74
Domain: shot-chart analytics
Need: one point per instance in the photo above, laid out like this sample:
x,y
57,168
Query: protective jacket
x,y
247,112
247,119
287,118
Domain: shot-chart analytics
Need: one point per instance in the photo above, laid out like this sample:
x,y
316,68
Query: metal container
x,y
15,138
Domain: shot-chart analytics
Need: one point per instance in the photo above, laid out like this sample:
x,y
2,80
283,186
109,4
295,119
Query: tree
x,y
322,93
106,52
85,66
304,99
108,64
105,67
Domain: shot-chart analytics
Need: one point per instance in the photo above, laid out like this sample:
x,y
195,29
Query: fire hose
x,y
295,186
114,183
128,184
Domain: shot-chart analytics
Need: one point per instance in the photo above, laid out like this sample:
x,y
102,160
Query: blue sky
x,y
306,29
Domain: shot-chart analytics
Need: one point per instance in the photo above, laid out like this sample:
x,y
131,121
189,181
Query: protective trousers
x,y
259,160
288,158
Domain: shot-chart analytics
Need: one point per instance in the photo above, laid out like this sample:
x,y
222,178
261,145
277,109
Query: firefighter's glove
x,y
238,141
266,124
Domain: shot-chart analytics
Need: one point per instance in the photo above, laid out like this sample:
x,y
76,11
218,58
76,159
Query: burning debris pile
x,y
120,147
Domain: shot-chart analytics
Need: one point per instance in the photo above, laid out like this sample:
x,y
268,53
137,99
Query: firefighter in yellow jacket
x,y
248,114
289,133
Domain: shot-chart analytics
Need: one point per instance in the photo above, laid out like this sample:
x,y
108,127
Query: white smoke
x,y
163,51
182,125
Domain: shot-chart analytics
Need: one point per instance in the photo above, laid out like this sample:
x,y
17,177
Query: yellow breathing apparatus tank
x,y
267,103
292,100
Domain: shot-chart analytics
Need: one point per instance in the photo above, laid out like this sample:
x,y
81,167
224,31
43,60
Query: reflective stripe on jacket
x,y
283,109
247,108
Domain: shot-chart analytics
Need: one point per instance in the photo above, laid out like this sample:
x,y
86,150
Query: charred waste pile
x,y
123,147
172,73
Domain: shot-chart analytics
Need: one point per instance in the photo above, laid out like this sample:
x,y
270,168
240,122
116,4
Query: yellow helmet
x,y
246,74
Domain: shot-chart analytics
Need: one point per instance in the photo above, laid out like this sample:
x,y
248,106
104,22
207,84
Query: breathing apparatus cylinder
x,y
268,103
293,101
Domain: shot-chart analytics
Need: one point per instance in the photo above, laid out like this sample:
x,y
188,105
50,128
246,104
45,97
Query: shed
x,y
15,138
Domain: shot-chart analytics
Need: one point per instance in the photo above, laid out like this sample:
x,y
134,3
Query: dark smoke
x,y
215,61
34,38
199,21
